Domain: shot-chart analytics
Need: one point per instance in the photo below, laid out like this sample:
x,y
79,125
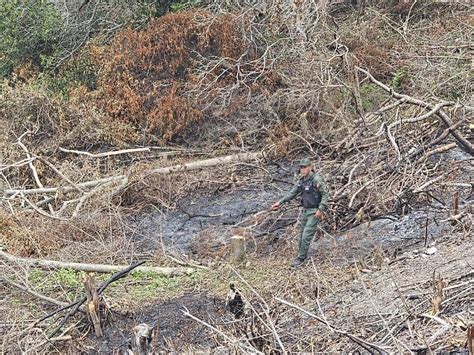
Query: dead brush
x,y
142,191
166,51
31,234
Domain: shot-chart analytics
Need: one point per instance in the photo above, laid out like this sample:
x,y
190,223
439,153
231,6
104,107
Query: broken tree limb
x,y
64,177
438,150
199,164
33,293
365,344
164,271
29,157
437,140
243,345
75,305
41,211
434,109
428,183
105,154
12,192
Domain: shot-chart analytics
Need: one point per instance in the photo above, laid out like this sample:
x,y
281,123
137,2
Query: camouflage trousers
x,y
308,227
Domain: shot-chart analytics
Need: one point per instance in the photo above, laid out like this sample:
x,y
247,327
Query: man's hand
x,y
276,206
319,215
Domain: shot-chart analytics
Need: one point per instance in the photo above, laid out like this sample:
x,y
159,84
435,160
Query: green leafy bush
x,y
29,33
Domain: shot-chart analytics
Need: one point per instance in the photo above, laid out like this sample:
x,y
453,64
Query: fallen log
x,y
199,164
164,271
105,154
13,192
194,165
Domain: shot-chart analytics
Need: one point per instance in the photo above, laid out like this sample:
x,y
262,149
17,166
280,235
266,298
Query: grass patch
x,y
371,96
147,286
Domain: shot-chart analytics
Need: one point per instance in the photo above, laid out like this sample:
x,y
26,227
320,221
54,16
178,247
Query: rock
x,y
431,251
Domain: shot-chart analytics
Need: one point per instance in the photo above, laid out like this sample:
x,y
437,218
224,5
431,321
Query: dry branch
x,y
105,154
165,271
354,338
434,109
208,163
33,293
244,347
30,160
13,192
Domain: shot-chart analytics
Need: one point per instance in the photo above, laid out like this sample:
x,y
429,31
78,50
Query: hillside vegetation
x,y
98,98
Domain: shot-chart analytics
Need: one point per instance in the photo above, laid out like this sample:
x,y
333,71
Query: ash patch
x,y
197,214
173,331
386,234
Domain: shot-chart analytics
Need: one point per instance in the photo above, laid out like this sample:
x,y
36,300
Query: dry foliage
x,y
380,110
144,74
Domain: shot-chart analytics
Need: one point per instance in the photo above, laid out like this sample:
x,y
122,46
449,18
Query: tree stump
x,y
237,246
142,337
92,304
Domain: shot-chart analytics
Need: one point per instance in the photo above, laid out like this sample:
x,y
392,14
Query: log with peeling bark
x,y
164,271
206,163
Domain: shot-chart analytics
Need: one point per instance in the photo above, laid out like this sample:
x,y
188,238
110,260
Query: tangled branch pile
x,y
378,94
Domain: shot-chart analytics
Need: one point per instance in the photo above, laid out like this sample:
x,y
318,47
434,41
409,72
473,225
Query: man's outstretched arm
x,y
295,191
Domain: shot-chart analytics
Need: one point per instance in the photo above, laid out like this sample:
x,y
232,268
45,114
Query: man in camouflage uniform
x,y
314,198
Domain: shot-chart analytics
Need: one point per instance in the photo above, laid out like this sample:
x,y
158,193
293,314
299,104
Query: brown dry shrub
x,y
144,72
53,122
376,59
24,108
281,139
30,234
157,190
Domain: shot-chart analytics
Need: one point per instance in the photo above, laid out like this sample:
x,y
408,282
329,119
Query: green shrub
x,y
371,96
29,33
398,78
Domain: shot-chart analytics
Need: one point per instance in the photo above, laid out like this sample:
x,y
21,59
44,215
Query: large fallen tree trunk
x,y
164,271
194,165
199,164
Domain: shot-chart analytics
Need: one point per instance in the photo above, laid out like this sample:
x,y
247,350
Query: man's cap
x,y
304,162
